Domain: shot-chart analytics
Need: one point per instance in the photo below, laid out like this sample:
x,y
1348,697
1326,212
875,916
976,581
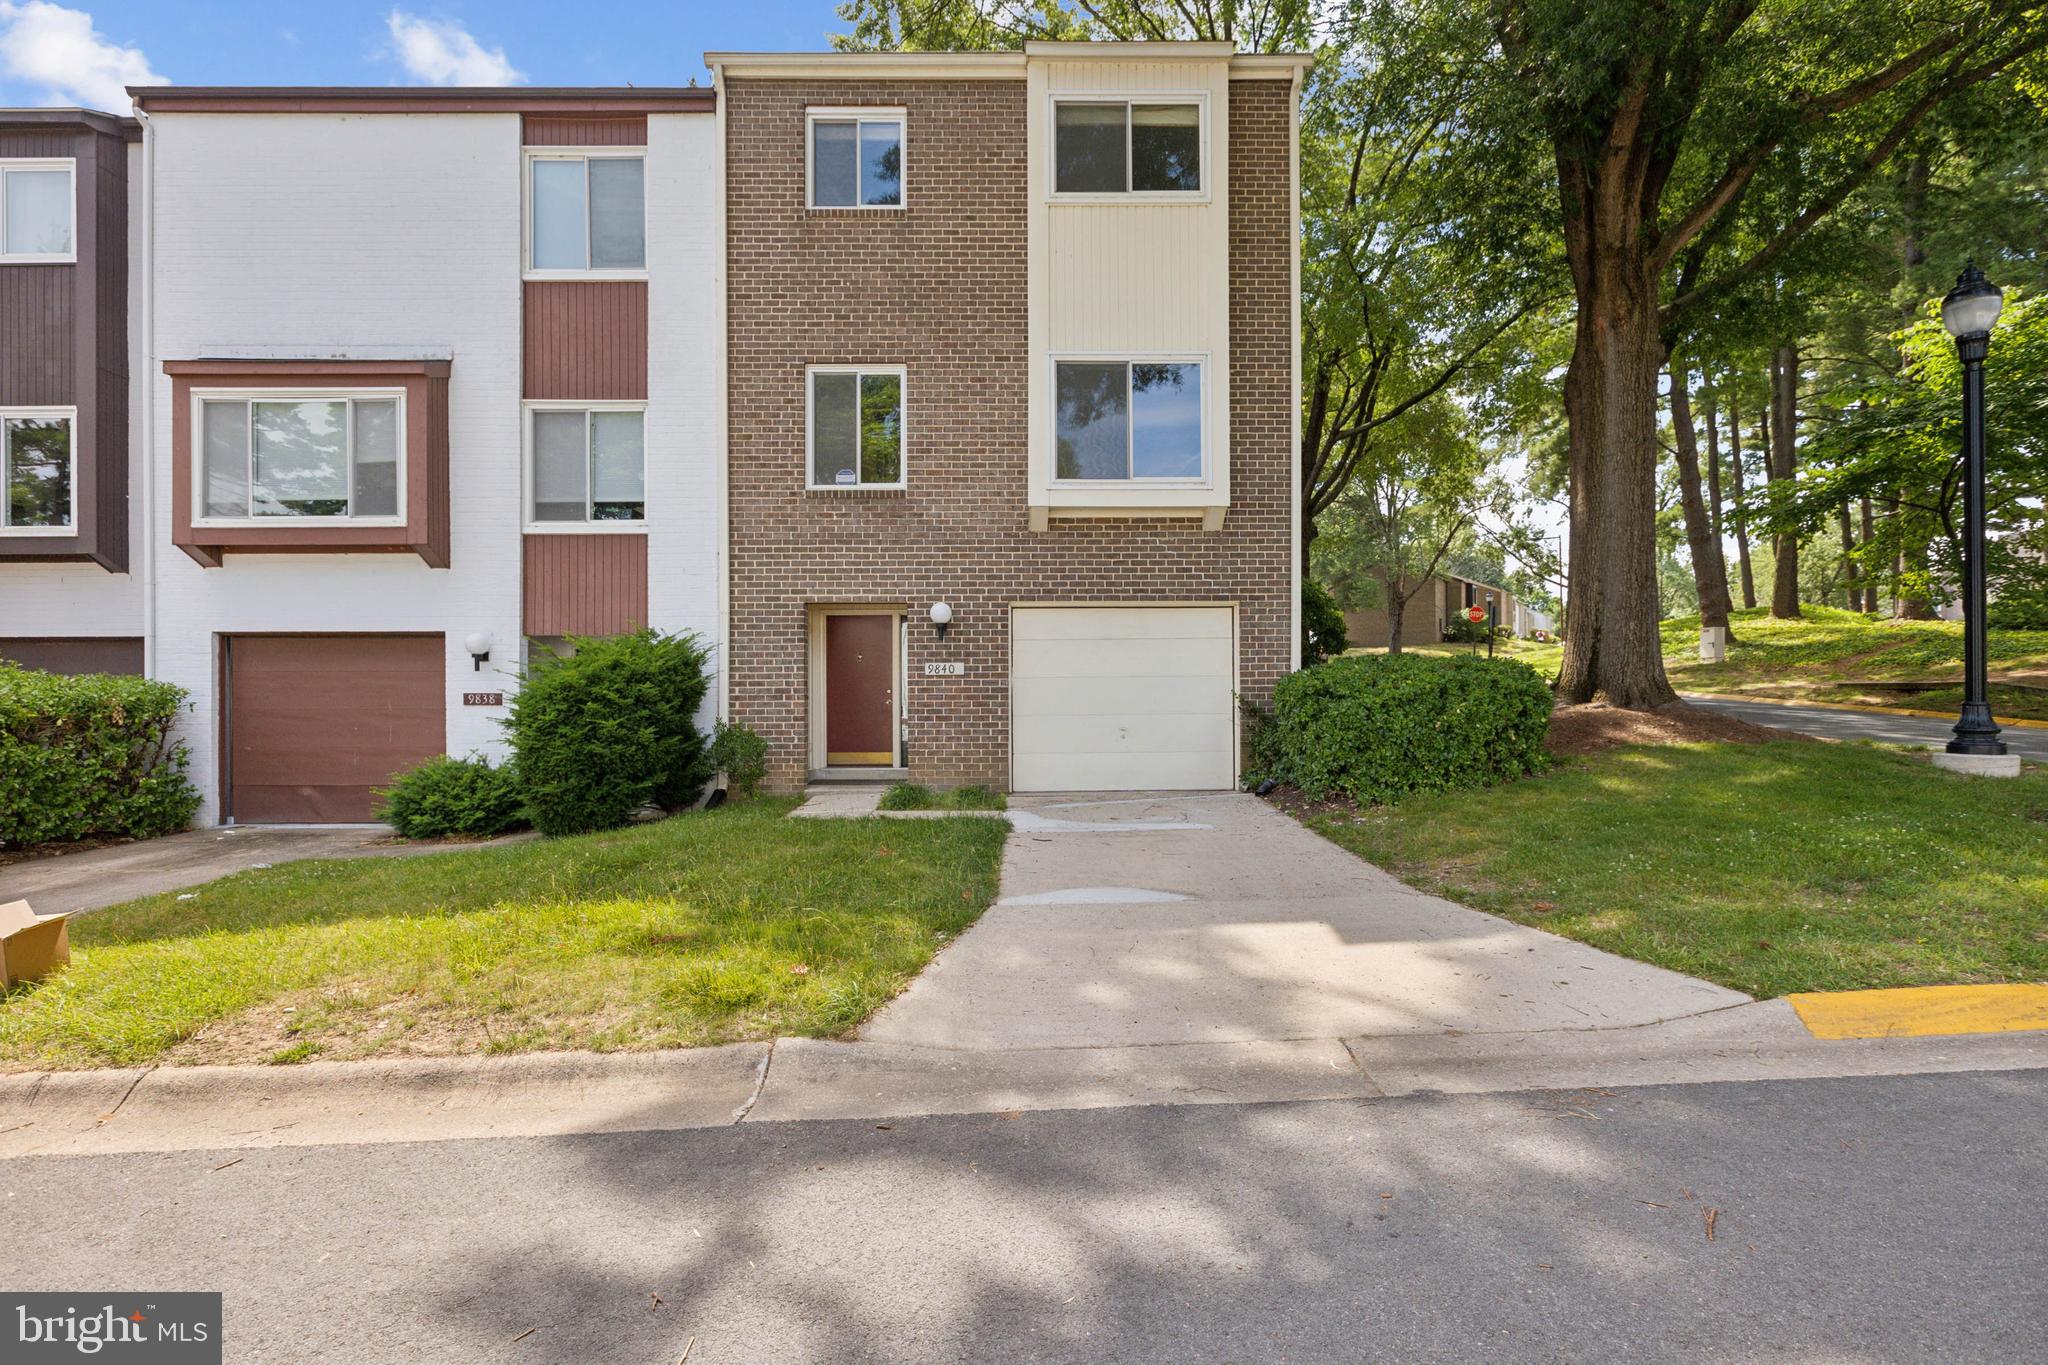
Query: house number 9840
x,y
945,670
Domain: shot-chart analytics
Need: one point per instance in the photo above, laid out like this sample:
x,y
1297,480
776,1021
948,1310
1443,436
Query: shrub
x,y
907,796
445,796
2018,609
741,755
89,756
1377,727
1322,624
1461,630
599,733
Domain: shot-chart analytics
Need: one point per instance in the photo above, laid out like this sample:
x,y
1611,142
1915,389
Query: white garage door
x,y
1121,699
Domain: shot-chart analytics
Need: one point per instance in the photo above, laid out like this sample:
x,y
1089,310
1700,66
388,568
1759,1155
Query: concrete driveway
x,y
1215,918
71,882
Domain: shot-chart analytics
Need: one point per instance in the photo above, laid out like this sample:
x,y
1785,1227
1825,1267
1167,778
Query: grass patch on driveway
x,y
1769,868
711,927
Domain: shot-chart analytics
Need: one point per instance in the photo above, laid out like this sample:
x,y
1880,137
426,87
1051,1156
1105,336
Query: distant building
x,y
1438,603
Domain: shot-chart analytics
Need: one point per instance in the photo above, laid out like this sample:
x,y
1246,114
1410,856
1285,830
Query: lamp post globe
x,y
1968,312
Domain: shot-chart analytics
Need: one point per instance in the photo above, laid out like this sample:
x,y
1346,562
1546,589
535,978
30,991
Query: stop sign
x,y
1475,614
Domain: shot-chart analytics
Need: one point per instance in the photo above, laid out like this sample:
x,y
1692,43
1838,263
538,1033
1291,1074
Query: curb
x,y
1851,706
1924,1011
556,1095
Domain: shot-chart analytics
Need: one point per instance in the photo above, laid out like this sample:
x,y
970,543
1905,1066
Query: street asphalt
x,y
1870,1219
1829,723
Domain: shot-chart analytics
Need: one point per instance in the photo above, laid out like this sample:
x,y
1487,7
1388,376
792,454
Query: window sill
x,y
26,532
872,490
536,276
1150,199
585,528
38,260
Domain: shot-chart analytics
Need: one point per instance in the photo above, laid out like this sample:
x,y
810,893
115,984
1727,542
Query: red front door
x,y
860,700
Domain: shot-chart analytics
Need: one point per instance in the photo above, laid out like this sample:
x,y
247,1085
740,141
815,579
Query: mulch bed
x,y
1588,729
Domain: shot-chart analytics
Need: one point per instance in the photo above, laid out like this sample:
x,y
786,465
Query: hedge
x,y
459,796
1378,727
599,733
89,756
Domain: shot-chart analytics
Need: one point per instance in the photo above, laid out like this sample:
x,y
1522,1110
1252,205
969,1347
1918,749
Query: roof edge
x,y
398,99
932,66
96,119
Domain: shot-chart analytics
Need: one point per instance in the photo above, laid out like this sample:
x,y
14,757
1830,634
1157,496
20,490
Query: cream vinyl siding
x,y
1135,277
1122,699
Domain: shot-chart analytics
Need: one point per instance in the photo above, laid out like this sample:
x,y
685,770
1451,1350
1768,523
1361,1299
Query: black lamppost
x,y
1968,312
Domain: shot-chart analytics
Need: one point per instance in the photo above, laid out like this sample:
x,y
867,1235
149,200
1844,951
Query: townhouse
x,y
1011,369
952,396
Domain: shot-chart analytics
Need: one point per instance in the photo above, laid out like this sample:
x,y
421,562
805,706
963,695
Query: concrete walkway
x,y
1828,723
70,882
1217,919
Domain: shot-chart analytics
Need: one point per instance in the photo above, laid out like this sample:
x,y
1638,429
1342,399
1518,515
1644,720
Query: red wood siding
x,y
595,131
586,339
591,584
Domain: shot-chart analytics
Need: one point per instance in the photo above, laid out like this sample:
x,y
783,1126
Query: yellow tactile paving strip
x,y
1923,1011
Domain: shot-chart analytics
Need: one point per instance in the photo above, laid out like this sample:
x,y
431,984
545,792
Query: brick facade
x,y
940,288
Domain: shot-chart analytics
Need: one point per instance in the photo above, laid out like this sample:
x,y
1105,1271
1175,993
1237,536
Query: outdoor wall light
x,y
478,643
942,616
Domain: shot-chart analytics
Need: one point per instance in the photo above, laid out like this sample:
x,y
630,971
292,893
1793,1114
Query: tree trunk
x,y
1397,609
1869,571
1613,649
1784,462
1849,583
1709,573
1741,516
1711,415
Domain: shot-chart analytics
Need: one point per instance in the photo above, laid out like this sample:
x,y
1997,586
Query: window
x,y
856,427
586,213
324,456
1136,419
856,158
36,210
36,462
1127,147
588,466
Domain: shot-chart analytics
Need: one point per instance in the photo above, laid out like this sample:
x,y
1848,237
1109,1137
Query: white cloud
x,y
59,50
442,52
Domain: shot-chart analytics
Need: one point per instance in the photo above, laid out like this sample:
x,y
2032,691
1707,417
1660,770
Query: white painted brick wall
x,y
338,231
684,438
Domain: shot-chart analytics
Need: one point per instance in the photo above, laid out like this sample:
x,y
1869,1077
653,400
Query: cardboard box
x,y
31,945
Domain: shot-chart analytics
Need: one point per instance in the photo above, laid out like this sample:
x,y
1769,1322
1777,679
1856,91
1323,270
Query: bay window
x,y
1128,420
324,456
38,469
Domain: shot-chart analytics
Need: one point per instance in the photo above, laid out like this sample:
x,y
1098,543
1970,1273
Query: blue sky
x,y
82,51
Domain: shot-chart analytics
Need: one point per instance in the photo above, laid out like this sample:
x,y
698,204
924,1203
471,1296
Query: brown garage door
x,y
315,721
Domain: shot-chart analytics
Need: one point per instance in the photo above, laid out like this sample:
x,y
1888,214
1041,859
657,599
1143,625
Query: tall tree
x,y
1709,570
1741,507
1699,100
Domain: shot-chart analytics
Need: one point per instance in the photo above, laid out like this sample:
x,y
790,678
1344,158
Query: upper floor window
x,y
1128,419
36,460
588,464
856,426
325,456
856,158
586,212
36,210
1127,147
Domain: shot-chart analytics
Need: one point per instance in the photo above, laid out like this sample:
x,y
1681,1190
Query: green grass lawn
x,y
710,927
917,796
1544,658
1822,655
1769,868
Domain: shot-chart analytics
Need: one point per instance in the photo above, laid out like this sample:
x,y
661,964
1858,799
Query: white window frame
x,y
196,451
876,113
41,414
528,156
811,428
1128,359
1053,192
69,166
585,527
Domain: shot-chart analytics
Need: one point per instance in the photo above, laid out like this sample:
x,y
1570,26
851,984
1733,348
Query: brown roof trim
x,y
305,369
386,99
126,128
